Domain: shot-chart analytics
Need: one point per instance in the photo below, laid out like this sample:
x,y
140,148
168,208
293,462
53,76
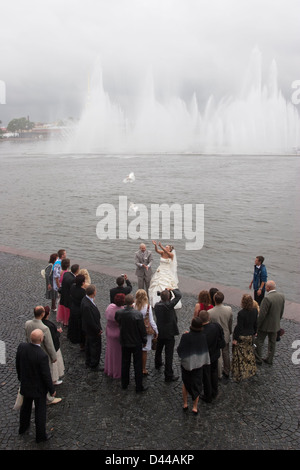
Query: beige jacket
x,y
47,345
223,315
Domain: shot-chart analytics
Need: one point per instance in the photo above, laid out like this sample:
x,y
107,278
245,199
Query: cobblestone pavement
x,y
261,413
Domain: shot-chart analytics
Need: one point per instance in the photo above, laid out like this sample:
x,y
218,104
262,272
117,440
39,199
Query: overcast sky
x,y
48,49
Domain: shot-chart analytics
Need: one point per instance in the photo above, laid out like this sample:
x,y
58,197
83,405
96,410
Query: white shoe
x,y
58,382
54,401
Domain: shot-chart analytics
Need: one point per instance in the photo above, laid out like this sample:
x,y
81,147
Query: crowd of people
x,y
139,323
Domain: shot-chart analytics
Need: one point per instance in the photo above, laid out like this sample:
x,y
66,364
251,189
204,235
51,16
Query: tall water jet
x,y
259,120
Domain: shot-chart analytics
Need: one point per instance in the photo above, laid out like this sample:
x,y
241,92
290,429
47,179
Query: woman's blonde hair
x,y
86,275
141,299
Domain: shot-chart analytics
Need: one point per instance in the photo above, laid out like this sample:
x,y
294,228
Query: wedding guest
x,y
204,302
47,343
86,276
77,293
51,294
35,382
57,368
194,354
62,314
243,363
268,325
113,353
57,269
166,320
212,292
120,288
215,341
223,315
67,281
142,305
91,325
132,337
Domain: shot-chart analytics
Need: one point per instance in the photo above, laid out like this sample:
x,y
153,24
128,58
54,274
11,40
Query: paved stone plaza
x,y
96,414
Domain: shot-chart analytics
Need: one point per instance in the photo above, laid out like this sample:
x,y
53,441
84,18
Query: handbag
x,y
19,401
149,329
154,344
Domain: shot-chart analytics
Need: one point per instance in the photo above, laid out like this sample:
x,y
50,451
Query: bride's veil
x,y
174,266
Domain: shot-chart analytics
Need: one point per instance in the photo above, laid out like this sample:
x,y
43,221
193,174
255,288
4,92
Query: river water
x,y
49,200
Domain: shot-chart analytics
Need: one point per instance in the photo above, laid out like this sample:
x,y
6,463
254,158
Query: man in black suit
x,y
32,364
216,342
133,337
166,320
120,289
67,281
91,326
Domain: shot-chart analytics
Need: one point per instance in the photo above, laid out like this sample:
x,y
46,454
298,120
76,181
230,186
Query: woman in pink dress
x,y
63,313
113,353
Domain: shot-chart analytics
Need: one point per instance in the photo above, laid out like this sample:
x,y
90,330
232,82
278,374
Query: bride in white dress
x,y
165,276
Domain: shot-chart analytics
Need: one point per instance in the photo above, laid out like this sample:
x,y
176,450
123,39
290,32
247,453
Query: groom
x,y
143,261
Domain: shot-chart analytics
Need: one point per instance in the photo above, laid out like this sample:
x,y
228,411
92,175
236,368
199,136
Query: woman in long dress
x,y
113,353
165,276
142,304
243,363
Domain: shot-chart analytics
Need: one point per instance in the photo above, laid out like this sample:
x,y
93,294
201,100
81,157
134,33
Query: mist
x,y
48,50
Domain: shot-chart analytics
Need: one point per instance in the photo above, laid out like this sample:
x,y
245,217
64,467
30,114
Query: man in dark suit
x,y
268,323
33,371
133,337
67,281
216,342
166,320
91,326
120,289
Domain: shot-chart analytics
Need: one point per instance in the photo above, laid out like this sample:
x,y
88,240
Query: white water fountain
x,y
258,121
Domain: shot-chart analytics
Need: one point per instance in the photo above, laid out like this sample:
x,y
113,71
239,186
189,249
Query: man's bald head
x,y
270,285
36,336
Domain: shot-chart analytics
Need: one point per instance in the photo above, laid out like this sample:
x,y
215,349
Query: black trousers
x,y
168,344
210,380
40,416
136,353
92,351
259,298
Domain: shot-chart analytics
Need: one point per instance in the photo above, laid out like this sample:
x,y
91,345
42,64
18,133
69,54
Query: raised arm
x,y
160,252
168,253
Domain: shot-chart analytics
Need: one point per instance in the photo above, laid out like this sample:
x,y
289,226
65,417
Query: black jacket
x,y
215,339
90,316
120,290
54,333
32,364
246,323
132,327
166,318
67,281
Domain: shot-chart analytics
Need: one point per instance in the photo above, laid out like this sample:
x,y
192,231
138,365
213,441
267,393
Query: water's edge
x,y
187,285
